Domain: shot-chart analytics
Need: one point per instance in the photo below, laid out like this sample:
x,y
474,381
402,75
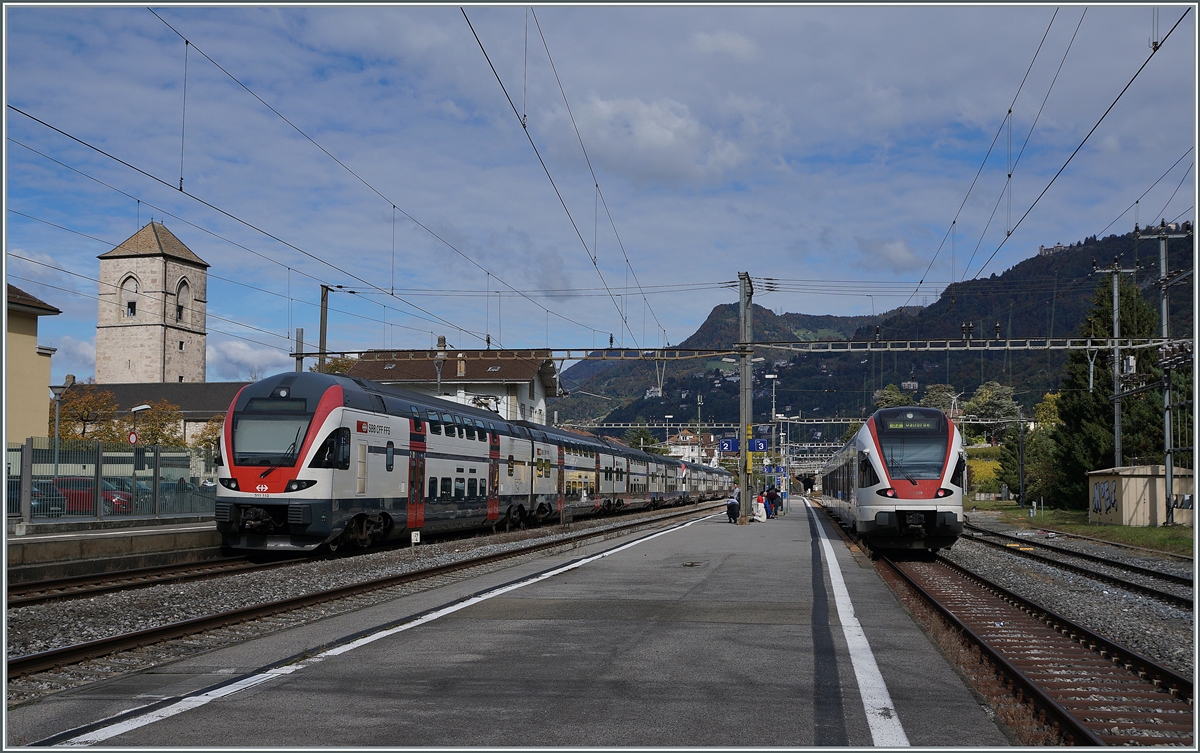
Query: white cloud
x,y
233,361
895,255
726,42
73,356
659,141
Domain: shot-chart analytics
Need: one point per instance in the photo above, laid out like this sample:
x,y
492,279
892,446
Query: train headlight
x,y
296,485
888,492
943,492
229,483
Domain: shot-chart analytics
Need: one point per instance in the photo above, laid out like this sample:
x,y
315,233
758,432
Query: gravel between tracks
x,y
43,627
1154,629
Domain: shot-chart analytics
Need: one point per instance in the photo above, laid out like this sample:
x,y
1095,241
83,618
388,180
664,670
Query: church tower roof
x,y
155,240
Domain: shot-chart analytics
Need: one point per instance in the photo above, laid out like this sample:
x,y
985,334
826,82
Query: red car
x,y
80,492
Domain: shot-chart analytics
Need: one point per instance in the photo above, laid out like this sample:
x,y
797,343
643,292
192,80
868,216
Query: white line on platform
x,y
886,730
196,701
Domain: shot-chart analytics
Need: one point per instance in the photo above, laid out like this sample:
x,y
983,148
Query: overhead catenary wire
x,y
988,154
546,169
375,190
1084,141
587,159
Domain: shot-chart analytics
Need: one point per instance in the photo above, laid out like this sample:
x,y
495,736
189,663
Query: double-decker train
x,y
311,460
898,483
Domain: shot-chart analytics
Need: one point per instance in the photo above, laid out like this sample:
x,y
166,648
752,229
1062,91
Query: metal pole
x,y
324,323
1021,451
1116,333
299,348
57,402
745,413
1168,440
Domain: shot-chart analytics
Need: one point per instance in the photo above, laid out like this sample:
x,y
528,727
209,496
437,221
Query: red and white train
x,y
898,483
311,460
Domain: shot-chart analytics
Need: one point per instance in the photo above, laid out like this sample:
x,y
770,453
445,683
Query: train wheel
x,y
361,531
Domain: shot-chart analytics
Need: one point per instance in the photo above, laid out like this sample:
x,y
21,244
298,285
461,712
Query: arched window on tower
x,y
129,296
183,303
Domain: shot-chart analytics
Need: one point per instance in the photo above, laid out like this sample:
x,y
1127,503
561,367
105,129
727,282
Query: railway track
x,y
55,659
1090,690
1023,547
39,592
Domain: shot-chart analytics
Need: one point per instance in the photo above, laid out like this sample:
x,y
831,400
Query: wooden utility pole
x,y
324,323
746,412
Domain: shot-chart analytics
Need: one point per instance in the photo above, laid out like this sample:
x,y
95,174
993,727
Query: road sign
x,y
729,445
133,437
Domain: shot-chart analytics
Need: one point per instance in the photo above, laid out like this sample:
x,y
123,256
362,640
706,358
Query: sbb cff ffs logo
x,y
362,427
261,487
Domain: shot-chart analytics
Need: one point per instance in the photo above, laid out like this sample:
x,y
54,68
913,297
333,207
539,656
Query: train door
x,y
360,467
416,475
493,492
560,485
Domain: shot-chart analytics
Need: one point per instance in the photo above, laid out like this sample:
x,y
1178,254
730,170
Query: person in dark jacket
x,y
772,503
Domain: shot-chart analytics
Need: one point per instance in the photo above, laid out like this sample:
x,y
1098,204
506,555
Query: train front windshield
x,y
270,432
913,443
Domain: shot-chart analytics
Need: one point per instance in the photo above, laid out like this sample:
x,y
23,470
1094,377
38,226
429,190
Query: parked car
x,y
45,501
145,495
182,495
80,492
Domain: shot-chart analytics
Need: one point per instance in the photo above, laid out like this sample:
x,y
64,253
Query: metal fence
x,y
98,480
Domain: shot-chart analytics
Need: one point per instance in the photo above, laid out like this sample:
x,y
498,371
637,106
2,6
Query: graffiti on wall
x,y
1104,496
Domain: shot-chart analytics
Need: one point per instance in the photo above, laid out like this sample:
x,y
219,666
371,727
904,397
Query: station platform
x,y
704,634
67,548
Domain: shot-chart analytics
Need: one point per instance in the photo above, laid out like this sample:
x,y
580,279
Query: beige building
x,y
153,306
513,383
1137,496
27,379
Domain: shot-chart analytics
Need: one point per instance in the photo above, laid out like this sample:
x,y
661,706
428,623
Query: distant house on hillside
x,y
1057,248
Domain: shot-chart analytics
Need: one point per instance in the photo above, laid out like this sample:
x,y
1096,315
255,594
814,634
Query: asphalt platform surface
x,y
708,634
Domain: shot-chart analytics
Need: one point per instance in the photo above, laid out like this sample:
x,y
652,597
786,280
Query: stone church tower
x,y
153,297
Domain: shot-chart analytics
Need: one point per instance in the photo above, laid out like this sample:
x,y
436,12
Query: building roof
x,y
196,400
479,367
19,300
155,240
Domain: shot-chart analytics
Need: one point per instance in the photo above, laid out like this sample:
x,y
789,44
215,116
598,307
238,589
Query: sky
x,y
850,151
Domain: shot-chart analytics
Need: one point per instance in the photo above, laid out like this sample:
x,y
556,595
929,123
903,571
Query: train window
x,y
866,472
448,420
957,477
469,428
460,487
334,452
472,487
482,430
447,482
433,488
434,426
391,456
511,463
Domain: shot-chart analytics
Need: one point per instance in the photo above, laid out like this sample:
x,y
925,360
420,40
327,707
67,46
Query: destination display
x,y
909,424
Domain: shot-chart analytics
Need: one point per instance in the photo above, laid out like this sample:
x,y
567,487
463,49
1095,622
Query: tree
x,y
1040,472
161,423
640,438
336,364
891,397
209,436
851,430
940,396
87,412
1084,438
992,400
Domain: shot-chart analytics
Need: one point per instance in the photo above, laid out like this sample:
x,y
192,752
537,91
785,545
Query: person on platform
x,y
772,503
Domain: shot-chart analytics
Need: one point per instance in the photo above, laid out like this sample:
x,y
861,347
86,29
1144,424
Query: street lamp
x,y
439,360
58,390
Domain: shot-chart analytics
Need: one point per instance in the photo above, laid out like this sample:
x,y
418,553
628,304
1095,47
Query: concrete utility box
x,y
1136,496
